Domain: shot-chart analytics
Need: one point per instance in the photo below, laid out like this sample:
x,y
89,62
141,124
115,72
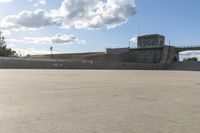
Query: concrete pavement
x,y
102,101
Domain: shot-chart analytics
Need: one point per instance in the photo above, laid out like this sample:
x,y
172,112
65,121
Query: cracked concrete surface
x,y
99,101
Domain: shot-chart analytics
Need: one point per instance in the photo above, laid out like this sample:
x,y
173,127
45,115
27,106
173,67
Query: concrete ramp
x,y
188,66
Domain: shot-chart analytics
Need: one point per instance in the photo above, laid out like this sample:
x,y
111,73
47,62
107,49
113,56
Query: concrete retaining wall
x,y
188,66
147,55
144,56
159,58
60,64
42,64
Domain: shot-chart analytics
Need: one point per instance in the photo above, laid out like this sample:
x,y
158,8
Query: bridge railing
x,y
185,47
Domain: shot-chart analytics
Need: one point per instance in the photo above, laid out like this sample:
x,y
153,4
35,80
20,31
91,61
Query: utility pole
x,y
51,49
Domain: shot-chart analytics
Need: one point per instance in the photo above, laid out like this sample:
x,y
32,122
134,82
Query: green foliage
x,y
191,59
4,51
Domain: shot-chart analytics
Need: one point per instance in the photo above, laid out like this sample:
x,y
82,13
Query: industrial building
x,y
149,50
154,40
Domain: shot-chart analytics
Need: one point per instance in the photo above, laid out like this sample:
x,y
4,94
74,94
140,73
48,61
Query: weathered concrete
x,y
156,58
69,101
62,64
188,66
153,40
141,55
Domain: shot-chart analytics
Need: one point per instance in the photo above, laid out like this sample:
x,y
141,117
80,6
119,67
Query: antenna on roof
x,y
139,30
162,30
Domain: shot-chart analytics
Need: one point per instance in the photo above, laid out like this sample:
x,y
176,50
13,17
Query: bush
x,y
191,59
4,51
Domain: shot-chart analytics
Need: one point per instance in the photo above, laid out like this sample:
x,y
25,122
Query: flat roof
x,y
151,35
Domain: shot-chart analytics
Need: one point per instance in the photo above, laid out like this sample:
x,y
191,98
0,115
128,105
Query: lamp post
x,y
51,49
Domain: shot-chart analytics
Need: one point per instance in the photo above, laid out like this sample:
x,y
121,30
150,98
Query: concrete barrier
x,y
188,66
23,63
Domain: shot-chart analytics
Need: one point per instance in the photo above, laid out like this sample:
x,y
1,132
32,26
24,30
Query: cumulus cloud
x,y
5,1
96,14
39,3
66,39
57,39
28,20
134,39
85,14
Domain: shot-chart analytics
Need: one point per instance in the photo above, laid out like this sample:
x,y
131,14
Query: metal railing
x,y
187,46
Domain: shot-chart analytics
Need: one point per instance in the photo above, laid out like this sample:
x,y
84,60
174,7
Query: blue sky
x,y
178,20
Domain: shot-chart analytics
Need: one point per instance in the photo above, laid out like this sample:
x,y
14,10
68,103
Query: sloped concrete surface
x,y
188,66
90,101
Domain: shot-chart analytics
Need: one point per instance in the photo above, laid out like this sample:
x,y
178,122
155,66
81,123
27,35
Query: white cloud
x,y
133,42
57,39
5,32
134,39
85,14
96,14
5,1
32,51
12,41
40,3
66,39
28,20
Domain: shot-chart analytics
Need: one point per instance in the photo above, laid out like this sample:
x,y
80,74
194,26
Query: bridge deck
x,y
180,49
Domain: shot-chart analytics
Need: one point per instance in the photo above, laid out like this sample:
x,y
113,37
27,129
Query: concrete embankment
x,y
41,63
188,66
142,59
63,64
27,63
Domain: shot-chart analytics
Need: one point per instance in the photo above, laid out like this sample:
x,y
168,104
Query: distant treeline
x,y
191,59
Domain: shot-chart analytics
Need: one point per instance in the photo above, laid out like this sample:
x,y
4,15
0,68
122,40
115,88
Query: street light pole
x,y
51,49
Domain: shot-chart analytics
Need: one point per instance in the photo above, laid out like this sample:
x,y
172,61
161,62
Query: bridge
x,y
187,48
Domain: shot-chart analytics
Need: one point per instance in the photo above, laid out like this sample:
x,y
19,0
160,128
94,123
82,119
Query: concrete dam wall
x,y
142,55
149,59
16,63
41,63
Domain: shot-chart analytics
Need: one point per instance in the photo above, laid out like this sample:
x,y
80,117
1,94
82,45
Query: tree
x,y
191,59
2,39
4,51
